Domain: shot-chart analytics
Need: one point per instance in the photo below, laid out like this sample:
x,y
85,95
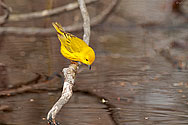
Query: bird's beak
x,y
89,66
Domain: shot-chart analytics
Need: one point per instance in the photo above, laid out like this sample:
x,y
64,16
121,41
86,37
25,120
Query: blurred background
x,y
139,77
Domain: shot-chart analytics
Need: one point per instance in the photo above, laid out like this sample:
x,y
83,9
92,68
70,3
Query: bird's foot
x,y
74,62
53,122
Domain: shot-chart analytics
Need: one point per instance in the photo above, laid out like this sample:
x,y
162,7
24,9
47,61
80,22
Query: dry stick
x,y
50,31
70,72
46,13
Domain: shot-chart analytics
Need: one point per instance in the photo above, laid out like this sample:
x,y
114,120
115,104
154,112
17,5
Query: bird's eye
x,y
86,59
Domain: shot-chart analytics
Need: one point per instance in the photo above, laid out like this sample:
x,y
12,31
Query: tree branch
x,y
44,86
86,24
46,13
49,31
70,72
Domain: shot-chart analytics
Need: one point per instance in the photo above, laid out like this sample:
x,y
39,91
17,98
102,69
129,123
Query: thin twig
x,y
46,13
70,72
86,24
50,31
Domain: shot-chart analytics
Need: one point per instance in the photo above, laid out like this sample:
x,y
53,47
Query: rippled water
x,y
143,87
140,86
32,109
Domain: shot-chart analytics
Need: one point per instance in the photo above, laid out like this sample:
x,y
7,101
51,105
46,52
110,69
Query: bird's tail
x,y
58,27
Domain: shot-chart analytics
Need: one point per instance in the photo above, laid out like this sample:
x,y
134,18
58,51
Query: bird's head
x,y
89,57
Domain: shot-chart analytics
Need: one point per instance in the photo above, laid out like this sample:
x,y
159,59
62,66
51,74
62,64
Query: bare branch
x,y
50,31
46,13
102,16
26,31
37,31
70,72
6,10
44,86
86,23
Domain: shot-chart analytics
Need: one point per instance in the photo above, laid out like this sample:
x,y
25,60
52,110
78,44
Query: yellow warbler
x,y
73,48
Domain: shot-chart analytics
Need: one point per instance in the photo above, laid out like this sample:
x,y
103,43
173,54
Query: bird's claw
x,y
75,62
53,122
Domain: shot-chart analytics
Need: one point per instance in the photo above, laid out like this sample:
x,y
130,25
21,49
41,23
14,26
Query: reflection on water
x,y
138,83
156,103
141,87
32,109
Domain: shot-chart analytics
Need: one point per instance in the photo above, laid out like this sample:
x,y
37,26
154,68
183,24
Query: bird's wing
x,y
69,41
58,27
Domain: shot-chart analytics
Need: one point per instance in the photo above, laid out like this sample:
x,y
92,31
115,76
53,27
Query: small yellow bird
x,y
73,48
